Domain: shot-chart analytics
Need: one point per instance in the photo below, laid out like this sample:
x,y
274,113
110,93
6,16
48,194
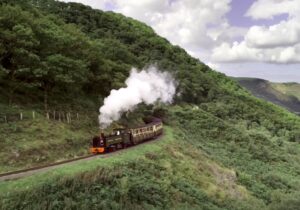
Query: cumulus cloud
x,y
102,4
278,43
267,9
240,52
283,34
185,23
235,52
214,66
286,33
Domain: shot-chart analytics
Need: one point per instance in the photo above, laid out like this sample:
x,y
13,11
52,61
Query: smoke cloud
x,y
147,86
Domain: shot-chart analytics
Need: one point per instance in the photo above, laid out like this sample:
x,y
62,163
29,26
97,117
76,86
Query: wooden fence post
x,y
47,115
69,118
77,115
21,116
33,115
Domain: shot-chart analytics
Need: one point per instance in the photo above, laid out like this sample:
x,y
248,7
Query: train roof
x,y
154,122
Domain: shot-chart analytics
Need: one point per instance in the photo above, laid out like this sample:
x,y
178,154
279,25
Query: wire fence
x,y
62,116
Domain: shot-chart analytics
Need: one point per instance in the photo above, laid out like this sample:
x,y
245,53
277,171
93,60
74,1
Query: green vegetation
x,y
63,60
36,142
74,169
265,164
282,94
223,149
220,166
291,89
156,175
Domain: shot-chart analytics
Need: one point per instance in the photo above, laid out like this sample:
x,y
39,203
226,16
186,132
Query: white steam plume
x,y
148,86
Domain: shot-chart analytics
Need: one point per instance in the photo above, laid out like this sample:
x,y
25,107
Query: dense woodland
x,y
88,51
54,54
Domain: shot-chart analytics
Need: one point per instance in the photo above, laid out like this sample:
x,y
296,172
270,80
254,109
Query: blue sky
x,y
248,38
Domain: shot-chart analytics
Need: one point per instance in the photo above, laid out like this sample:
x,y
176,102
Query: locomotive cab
x,y
98,144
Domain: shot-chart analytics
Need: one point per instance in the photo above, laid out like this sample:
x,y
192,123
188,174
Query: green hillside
x,y
282,94
291,89
222,149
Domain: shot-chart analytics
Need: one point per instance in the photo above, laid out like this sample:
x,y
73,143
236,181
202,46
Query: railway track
x,y
30,171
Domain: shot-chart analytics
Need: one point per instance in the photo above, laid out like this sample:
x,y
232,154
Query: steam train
x,y
124,137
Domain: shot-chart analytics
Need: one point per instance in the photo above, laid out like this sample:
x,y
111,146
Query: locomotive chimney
x,y
101,134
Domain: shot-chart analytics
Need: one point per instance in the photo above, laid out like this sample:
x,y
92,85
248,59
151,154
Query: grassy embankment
x,y
139,178
33,142
202,161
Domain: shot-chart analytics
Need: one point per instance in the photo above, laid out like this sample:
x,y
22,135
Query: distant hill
x,y
292,89
282,94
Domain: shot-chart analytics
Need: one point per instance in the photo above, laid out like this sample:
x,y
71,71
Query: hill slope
x,y
291,89
282,94
224,148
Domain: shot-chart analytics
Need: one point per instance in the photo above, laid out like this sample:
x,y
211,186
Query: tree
x,y
17,47
63,56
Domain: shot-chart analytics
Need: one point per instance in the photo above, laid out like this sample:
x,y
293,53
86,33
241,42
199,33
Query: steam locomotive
x,y
124,137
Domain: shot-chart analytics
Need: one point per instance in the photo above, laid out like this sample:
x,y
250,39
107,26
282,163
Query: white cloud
x,y
93,3
286,33
240,52
267,9
279,43
184,23
214,66
236,52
